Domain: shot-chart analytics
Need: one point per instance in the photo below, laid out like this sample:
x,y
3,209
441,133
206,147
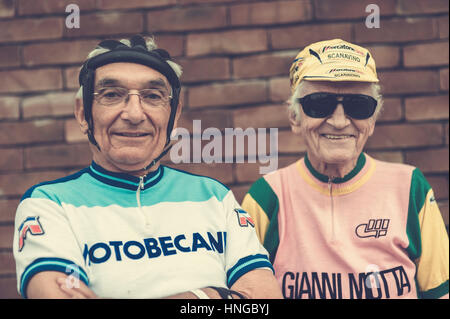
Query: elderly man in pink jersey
x,y
338,223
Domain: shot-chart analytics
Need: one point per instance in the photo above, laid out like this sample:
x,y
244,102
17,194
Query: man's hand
x,y
75,291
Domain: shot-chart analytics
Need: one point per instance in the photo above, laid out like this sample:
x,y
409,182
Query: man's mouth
x,y
337,137
131,134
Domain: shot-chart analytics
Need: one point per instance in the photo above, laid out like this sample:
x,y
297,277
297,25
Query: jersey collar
x,y
123,180
360,174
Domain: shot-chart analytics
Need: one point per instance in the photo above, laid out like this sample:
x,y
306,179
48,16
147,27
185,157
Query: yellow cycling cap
x,y
333,60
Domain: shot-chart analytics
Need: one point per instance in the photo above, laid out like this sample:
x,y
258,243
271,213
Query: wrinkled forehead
x,y
349,87
131,76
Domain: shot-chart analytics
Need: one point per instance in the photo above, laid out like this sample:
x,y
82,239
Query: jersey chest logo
x,y
374,228
29,225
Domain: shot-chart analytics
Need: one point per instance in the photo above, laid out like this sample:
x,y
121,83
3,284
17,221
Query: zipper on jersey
x,y
330,189
138,196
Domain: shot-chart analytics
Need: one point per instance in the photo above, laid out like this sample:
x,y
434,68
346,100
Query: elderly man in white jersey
x,y
127,226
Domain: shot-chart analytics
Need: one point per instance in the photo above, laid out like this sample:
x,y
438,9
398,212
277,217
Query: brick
x,y
183,19
227,94
8,209
31,132
349,9
228,42
219,119
446,134
9,56
427,108
51,104
443,27
57,53
402,82
443,207
184,2
439,184
430,54
389,156
9,288
407,7
11,159
6,236
300,36
16,184
263,65
72,132
279,89
18,30
385,56
30,80
399,30
6,8
239,191
205,69
133,4
71,77
57,156
392,110
9,107
7,263
28,7
443,79
107,24
274,115
174,44
405,135
289,142
429,161
264,13
223,172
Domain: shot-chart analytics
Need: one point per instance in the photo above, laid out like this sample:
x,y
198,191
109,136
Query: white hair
x,y
294,105
151,45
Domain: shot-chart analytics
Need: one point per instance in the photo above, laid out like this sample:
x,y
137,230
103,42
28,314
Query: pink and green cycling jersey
x,y
376,233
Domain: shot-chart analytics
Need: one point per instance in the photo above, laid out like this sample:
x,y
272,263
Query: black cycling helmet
x,y
138,53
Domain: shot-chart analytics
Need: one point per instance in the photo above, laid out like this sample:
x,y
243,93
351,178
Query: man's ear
x,y
177,114
79,115
294,121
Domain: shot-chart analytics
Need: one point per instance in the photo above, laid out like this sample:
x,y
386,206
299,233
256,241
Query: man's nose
x,y
133,110
339,119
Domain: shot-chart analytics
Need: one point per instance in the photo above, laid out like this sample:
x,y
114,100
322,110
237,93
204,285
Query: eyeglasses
x,y
111,96
321,105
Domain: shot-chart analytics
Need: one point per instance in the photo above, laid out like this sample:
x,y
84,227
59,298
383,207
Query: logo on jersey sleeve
x,y
29,225
244,219
374,228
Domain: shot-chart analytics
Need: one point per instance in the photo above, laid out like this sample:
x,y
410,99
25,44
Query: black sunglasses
x,y
321,105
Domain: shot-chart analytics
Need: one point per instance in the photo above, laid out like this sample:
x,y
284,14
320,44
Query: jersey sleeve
x,y
262,204
244,252
44,241
429,244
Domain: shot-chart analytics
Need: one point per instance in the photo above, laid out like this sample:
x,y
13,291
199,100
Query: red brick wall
x,y
236,55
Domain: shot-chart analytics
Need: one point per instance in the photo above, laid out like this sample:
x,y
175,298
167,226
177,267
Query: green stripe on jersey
x,y
418,193
264,195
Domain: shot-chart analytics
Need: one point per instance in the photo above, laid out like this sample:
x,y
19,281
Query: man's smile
x,y
337,136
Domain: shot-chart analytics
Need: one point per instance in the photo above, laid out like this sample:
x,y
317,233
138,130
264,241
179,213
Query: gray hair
x,y
151,45
294,105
